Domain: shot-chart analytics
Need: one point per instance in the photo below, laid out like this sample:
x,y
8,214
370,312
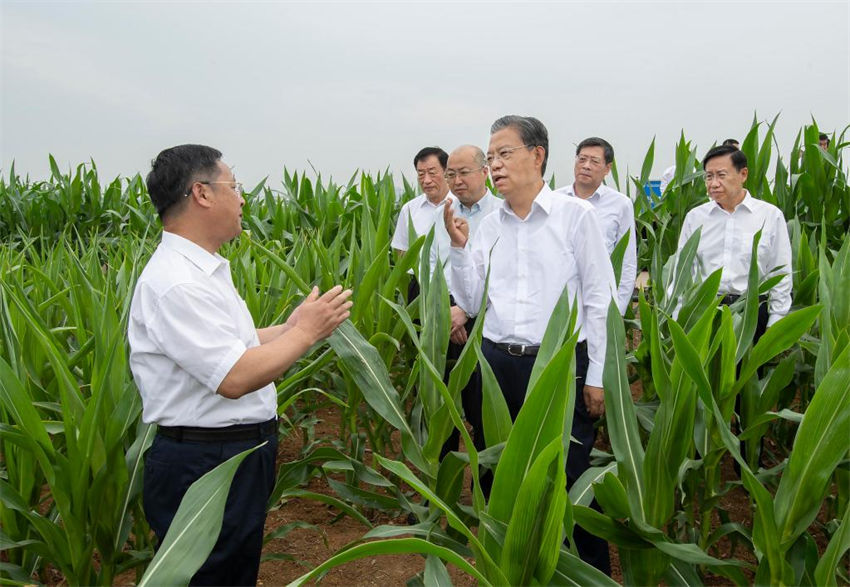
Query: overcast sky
x,y
344,86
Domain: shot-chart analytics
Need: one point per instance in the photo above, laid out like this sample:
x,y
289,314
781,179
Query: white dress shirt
x,y
726,242
187,328
559,243
616,218
424,215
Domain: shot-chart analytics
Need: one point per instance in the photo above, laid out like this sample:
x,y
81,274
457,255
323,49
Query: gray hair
x,y
531,132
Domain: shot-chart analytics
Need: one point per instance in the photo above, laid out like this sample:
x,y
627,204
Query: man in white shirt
x,y
728,224
425,210
204,372
594,157
541,243
466,175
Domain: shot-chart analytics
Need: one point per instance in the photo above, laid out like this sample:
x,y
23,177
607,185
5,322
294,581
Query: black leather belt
x,y
236,432
729,299
517,350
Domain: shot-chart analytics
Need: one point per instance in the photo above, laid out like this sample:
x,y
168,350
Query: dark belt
x,y
233,433
729,299
516,350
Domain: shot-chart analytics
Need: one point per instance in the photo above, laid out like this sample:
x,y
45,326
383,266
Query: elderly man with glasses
x,y
204,372
535,245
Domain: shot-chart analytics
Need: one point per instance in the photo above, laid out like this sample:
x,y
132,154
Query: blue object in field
x,y
652,189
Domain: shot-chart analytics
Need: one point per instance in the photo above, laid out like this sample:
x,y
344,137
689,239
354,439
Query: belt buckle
x,y
511,348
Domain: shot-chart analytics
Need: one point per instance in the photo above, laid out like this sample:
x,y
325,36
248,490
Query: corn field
x,y
72,442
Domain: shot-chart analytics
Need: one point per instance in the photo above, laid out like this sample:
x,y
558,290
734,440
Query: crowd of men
x,y
205,372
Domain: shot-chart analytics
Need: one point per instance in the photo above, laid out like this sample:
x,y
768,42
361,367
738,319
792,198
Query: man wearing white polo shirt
x,y
594,157
204,372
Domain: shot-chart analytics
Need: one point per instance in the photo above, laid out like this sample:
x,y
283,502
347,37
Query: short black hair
x,y
531,132
441,155
731,143
739,160
597,142
174,170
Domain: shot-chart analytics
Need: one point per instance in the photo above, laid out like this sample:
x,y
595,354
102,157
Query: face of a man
x,y
824,144
513,168
725,184
467,177
429,173
226,204
590,168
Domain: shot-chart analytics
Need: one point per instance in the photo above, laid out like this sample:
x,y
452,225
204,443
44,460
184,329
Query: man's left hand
x,y
594,400
459,318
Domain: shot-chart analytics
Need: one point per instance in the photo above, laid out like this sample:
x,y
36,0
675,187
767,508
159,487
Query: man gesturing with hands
x,y
204,372
535,245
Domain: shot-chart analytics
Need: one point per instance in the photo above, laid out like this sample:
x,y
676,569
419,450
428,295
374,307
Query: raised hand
x,y
458,228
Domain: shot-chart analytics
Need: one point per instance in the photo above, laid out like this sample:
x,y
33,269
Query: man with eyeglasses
x,y
536,244
466,175
424,211
204,372
594,157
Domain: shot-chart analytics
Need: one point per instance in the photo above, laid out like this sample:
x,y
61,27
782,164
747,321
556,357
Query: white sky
x,y
356,85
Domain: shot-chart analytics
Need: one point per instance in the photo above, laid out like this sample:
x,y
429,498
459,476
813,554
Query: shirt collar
x,y
571,191
747,203
203,259
471,210
427,203
542,200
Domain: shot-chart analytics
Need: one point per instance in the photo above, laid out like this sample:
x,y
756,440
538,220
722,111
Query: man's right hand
x,y
318,316
458,228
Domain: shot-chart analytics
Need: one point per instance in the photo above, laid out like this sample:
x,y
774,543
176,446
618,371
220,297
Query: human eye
x,y
489,158
505,153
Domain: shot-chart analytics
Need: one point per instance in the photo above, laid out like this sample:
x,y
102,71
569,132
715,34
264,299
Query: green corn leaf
x,y
195,527
835,550
621,418
821,443
533,538
392,546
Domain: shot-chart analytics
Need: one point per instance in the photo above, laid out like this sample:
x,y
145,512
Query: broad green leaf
x,y
195,527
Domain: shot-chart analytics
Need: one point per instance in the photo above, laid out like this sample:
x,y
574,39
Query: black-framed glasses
x,y
451,174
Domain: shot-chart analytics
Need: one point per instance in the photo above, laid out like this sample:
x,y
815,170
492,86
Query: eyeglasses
x,y
237,187
595,161
451,174
505,153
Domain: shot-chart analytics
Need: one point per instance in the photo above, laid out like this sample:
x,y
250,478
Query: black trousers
x,y
171,466
470,398
513,374
761,328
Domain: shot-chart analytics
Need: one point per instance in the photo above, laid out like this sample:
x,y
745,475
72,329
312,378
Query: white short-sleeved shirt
x,y
616,218
187,328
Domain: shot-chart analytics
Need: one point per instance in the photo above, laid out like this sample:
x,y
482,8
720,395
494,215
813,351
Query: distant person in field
x,y
823,141
466,175
594,157
204,372
425,210
729,222
541,242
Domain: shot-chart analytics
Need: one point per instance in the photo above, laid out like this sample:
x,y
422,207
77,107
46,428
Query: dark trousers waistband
x,y
522,350
236,432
